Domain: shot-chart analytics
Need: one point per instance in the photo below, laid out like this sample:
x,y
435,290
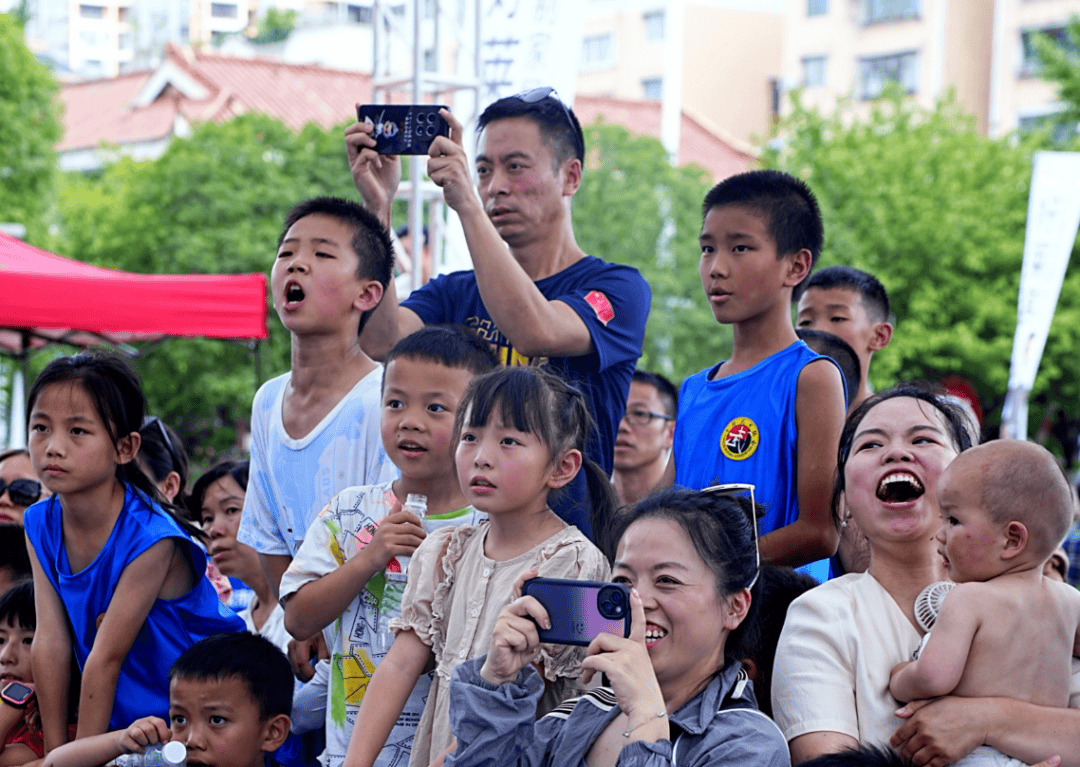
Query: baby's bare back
x,y
1028,632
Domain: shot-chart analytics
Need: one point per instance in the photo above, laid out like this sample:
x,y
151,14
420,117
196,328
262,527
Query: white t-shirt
x,y
360,637
290,480
839,645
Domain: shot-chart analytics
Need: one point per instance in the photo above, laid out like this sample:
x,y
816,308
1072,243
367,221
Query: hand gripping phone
x,y
404,128
579,610
16,694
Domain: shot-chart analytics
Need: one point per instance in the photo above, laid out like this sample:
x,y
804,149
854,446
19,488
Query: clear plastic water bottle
x,y
171,754
417,504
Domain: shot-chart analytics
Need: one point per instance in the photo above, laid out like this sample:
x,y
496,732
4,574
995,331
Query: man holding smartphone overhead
x,y
532,292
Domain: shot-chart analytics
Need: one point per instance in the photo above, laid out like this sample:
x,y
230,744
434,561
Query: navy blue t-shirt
x,y
612,300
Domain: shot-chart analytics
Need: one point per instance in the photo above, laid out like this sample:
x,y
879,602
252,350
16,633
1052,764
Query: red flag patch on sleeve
x,y
600,304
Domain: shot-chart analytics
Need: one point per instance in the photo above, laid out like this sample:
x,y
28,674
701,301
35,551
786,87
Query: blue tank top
x,y
741,428
171,627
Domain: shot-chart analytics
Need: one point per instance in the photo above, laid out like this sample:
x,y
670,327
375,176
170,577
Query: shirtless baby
x,y
1005,630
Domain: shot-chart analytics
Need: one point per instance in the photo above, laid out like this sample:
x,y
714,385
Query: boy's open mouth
x,y
293,293
899,488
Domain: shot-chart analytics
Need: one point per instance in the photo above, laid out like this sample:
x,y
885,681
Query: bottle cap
x,y
174,754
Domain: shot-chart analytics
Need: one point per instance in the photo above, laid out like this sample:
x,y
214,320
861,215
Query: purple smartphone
x,y
579,610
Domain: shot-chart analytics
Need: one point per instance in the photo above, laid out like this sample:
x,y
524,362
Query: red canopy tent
x,y
50,299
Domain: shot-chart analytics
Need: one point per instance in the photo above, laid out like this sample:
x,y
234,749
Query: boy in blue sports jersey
x,y
772,414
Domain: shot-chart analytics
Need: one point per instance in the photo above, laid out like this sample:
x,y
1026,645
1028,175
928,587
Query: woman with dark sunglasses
x,y
19,485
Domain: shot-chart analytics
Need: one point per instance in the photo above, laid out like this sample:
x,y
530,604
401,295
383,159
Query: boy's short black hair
x,y
870,290
13,553
840,352
864,755
370,241
669,395
454,346
17,606
788,206
557,122
251,658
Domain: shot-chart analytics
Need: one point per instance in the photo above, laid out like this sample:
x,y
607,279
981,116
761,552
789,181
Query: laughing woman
x,y
677,696
841,639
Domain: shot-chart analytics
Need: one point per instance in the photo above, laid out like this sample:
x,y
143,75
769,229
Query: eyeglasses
x,y
22,492
150,420
735,489
539,94
642,417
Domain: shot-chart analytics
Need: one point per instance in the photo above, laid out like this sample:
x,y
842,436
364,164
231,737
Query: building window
x,y
217,38
813,71
889,10
1062,132
653,88
817,7
874,73
92,12
223,10
123,14
124,41
654,25
89,38
430,63
598,51
359,14
1031,65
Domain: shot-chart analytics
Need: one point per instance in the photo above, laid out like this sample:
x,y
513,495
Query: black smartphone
x,y
404,128
579,610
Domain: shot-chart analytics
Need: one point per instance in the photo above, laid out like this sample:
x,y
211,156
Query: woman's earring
x,y
843,522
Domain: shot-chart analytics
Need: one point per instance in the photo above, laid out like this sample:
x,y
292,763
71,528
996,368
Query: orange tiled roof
x,y
697,144
99,111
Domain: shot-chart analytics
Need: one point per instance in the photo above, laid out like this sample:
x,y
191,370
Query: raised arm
x,y
50,657
819,415
136,591
319,602
535,325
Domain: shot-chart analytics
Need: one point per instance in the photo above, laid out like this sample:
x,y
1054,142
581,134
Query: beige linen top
x,y
453,597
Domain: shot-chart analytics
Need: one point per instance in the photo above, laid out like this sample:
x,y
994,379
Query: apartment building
x,y
106,38
722,56
981,49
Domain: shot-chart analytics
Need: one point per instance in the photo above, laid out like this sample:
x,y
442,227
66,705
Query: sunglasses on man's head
x,y
539,94
22,492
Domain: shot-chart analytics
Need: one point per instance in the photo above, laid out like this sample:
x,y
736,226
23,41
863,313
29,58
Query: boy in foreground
x,y
229,702
315,429
778,406
852,305
1006,630
348,576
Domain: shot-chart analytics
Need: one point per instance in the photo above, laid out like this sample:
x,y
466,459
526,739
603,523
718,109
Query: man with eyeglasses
x,y
532,293
646,433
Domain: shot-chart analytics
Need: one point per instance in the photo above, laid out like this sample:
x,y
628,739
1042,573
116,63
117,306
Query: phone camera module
x,y
611,602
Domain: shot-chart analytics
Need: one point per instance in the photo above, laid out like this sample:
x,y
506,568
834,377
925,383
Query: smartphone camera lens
x,y
612,602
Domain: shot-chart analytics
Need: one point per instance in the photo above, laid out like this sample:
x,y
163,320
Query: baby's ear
x,y
275,731
1016,539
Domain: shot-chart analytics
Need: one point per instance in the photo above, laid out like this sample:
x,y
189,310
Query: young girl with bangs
x,y
521,434
118,578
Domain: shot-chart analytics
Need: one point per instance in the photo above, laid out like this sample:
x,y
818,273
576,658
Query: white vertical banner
x,y
1053,218
528,43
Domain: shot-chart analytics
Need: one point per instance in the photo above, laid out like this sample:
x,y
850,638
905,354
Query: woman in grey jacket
x,y
677,695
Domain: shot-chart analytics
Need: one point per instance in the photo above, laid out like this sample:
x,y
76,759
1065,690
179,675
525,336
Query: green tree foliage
x,y
29,128
618,215
212,203
938,212
1061,64
276,25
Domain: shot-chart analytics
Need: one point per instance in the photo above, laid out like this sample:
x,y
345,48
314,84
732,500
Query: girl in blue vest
x,y
118,579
